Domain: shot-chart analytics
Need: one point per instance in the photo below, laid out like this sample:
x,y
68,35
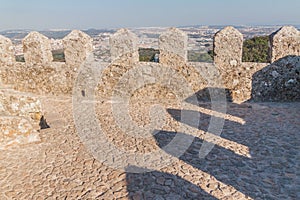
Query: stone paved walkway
x,y
256,159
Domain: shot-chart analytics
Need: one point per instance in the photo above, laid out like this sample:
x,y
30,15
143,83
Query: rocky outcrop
x,y
16,130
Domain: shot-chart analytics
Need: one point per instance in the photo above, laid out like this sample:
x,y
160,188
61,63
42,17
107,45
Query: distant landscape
x,y
200,48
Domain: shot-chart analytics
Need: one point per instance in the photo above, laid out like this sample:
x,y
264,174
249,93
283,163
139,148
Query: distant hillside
x,y
254,50
55,34
58,56
147,54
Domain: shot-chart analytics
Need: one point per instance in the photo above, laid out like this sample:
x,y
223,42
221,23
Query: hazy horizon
x,y
75,14
141,27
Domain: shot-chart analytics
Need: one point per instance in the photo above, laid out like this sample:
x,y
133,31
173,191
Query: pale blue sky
x,y
83,14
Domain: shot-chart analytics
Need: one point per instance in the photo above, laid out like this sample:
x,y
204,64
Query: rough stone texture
x,y
256,156
236,75
141,72
241,81
61,167
77,46
173,46
228,47
7,58
37,74
42,76
285,42
58,78
6,51
20,115
279,81
37,49
145,74
124,47
13,103
16,130
53,79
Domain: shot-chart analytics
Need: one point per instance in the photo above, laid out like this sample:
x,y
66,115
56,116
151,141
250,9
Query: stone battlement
x,y
40,75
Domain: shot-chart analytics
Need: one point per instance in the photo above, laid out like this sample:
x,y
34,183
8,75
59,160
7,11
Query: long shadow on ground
x,y
159,185
271,133
273,139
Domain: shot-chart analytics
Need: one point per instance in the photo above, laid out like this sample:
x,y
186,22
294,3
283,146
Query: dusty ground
x,y
256,157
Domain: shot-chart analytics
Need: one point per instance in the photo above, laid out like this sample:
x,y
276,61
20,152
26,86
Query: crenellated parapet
x,y
39,74
124,55
21,113
237,75
228,49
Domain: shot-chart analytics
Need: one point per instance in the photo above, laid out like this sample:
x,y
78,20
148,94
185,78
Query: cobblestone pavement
x,y
256,157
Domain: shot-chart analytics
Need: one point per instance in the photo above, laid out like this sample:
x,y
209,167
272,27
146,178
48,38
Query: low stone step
x,y
17,130
20,116
14,103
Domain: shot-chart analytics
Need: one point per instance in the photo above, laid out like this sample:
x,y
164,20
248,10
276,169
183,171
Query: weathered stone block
x,y
228,47
285,42
77,46
37,49
173,45
16,130
18,104
124,44
20,116
7,58
6,51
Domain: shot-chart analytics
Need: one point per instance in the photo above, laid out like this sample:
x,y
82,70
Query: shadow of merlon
x,y
159,185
